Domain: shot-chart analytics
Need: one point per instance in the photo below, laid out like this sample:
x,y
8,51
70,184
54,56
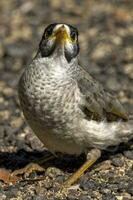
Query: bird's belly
x,y
53,130
58,139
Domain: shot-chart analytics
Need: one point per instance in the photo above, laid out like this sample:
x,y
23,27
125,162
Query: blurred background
x,y
106,49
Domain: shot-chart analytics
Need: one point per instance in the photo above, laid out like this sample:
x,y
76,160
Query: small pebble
x,y
88,185
130,188
109,197
118,162
129,154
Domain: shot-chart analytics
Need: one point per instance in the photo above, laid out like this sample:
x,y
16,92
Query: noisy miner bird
x,y
65,107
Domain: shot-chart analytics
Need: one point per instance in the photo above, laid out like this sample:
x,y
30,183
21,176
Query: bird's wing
x,y
97,103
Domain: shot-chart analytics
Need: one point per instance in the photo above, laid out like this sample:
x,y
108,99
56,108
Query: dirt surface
x,y
106,47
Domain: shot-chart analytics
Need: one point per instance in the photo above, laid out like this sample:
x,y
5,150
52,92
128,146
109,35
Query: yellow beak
x,y
62,35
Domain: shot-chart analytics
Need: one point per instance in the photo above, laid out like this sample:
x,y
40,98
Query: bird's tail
x,y
125,132
104,134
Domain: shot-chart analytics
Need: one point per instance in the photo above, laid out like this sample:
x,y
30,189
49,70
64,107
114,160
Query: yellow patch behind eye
x,y
73,37
46,35
74,40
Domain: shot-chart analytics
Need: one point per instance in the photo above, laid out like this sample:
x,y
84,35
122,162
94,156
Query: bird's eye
x,y
48,33
73,35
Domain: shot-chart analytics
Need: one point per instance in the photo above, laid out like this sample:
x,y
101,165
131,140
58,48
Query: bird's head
x,y
61,38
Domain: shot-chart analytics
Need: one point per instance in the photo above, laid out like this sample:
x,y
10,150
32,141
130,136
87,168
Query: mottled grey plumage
x,y
68,110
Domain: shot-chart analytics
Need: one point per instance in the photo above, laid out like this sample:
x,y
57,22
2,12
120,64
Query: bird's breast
x,y
48,98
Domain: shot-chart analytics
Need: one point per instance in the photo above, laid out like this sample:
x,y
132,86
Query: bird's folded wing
x,y
98,103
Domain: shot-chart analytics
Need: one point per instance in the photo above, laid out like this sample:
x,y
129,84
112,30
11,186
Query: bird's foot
x,y
92,157
31,167
28,169
44,159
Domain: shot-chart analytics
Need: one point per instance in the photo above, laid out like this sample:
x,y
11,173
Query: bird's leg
x,y
44,159
35,166
92,157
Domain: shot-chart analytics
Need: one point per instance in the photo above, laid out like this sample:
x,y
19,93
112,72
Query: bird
x,y
67,109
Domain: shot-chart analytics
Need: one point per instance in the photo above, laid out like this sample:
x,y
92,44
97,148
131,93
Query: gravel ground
x,y
106,42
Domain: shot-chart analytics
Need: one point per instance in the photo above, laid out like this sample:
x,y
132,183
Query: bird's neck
x,y
58,59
